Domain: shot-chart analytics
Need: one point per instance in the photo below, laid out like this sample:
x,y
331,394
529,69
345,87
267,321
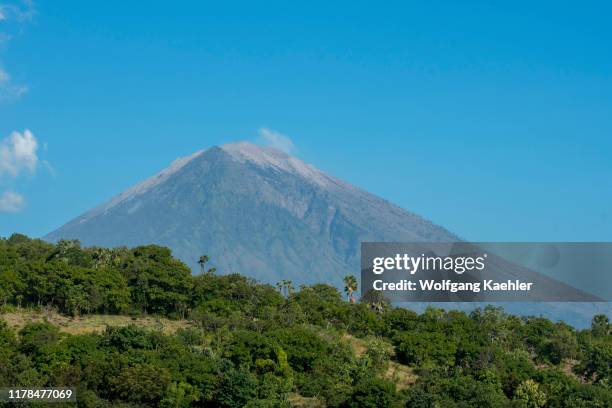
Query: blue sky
x,y
493,119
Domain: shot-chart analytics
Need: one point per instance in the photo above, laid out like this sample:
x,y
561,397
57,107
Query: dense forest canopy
x,y
256,345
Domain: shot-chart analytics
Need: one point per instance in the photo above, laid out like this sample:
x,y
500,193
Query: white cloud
x,y
18,153
11,202
277,140
8,89
20,13
12,17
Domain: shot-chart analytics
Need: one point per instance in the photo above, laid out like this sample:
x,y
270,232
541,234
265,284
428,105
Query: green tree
x,y
530,394
600,326
35,337
350,286
144,383
372,392
426,348
237,388
179,395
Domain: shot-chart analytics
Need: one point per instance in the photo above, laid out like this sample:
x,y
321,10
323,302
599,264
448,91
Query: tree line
x,y
257,345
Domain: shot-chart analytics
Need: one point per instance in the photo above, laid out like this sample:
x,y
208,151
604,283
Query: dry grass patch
x,y
91,323
359,346
402,375
298,401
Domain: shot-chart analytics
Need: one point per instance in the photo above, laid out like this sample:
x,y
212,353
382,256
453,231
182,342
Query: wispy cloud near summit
x,y
277,140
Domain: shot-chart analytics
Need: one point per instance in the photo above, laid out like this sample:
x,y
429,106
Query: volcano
x,y
254,210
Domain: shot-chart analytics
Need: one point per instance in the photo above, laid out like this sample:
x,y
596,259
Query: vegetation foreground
x,y
171,339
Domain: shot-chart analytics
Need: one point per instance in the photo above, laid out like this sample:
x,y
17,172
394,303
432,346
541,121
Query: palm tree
x,y
350,286
202,261
285,287
376,300
290,287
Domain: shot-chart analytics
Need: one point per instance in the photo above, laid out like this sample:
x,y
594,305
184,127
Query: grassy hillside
x,y
132,328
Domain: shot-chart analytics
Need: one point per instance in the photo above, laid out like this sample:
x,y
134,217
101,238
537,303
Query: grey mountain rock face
x,y
253,210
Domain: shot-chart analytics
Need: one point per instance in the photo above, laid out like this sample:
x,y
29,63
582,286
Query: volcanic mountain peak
x,y
254,210
269,157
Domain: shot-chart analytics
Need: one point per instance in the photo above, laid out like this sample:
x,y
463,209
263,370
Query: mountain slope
x,y
254,210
